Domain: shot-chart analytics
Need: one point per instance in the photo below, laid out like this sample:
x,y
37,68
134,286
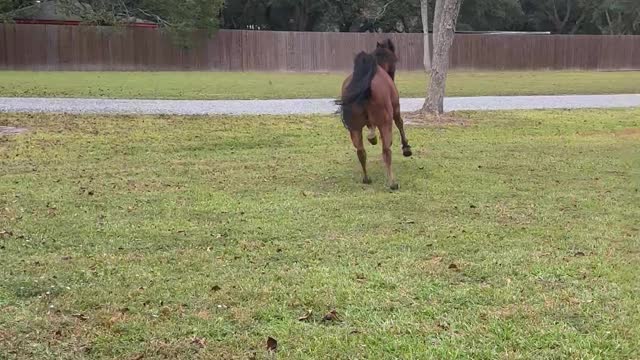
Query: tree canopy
x,y
556,16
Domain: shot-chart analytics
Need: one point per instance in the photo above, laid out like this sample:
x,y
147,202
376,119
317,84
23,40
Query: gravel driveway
x,y
300,106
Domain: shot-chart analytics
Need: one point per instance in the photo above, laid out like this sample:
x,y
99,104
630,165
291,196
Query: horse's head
x,y
386,44
385,54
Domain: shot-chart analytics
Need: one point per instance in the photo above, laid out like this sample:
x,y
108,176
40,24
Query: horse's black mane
x,y
384,56
385,53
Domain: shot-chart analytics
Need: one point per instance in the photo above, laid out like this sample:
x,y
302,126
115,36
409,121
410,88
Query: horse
x,y
385,54
370,98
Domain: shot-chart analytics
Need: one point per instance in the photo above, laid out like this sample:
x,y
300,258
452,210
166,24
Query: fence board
x,y
54,47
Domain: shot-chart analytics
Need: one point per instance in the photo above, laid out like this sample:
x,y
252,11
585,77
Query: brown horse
x,y
370,98
385,54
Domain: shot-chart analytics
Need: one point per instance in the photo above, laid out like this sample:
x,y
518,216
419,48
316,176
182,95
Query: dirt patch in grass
x,y
10,130
629,133
417,118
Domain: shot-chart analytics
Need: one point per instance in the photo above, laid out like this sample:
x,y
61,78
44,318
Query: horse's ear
x,y
390,45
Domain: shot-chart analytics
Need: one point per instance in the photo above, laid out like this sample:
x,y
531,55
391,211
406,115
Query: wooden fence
x,y
55,47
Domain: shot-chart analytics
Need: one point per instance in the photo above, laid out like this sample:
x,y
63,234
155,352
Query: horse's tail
x,y
359,89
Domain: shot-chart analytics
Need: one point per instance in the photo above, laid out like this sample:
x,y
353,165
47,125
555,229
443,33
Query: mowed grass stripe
x,y
220,85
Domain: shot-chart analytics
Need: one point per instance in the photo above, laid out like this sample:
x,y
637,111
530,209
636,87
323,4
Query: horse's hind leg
x,y
397,118
386,136
358,143
371,136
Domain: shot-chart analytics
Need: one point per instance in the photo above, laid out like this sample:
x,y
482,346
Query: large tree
x,y
444,25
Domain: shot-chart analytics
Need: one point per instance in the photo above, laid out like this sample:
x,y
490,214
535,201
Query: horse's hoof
x,y
373,140
366,180
394,186
406,151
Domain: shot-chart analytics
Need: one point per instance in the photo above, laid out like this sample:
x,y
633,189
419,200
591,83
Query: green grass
x,y
217,85
130,237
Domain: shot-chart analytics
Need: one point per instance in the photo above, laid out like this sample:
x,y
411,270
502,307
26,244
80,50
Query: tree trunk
x,y
443,39
424,10
437,16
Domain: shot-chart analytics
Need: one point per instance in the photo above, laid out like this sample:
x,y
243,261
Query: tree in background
x,y
7,7
557,16
620,17
426,56
323,15
181,17
490,15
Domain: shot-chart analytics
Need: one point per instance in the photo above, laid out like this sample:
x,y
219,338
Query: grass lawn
x,y
126,237
218,85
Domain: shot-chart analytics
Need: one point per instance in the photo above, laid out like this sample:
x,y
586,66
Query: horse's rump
x,y
358,91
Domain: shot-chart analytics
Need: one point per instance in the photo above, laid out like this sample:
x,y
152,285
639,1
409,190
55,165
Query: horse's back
x,y
383,97
379,108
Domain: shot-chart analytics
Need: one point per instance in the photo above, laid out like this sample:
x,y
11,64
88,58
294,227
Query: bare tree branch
x,y
383,10
155,17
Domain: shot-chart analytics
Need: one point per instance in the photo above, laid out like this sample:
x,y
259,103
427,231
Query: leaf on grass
x,y
306,316
272,344
82,317
199,342
165,311
331,316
